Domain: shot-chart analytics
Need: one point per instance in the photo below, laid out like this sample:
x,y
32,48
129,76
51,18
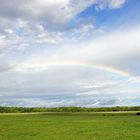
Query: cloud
x,y
114,49
46,74
35,76
111,4
27,24
116,3
83,101
44,58
62,11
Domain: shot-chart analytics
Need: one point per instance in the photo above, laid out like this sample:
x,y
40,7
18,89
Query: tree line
x,y
4,109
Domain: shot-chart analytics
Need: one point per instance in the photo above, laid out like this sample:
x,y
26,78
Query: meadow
x,y
70,126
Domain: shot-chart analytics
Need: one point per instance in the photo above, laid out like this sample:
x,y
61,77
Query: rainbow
x,y
44,66
96,66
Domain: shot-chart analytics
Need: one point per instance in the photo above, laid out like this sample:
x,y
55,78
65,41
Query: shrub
x,y
138,113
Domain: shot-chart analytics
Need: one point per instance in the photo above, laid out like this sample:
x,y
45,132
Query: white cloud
x,y
36,60
116,3
53,12
45,74
113,50
26,24
112,4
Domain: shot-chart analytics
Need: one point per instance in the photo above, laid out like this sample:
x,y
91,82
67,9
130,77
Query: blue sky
x,y
69,53
114,18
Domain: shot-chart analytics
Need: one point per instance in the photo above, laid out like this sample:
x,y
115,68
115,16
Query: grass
x,y
70,126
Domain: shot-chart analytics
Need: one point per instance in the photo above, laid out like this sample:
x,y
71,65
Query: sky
x,y
69,53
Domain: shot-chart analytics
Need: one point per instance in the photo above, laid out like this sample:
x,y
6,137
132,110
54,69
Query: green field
x,y
70,126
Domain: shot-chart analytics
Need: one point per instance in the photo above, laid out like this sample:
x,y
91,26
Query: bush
x,y
138,113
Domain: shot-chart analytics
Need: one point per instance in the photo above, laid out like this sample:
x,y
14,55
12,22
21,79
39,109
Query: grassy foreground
x,y
70,126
